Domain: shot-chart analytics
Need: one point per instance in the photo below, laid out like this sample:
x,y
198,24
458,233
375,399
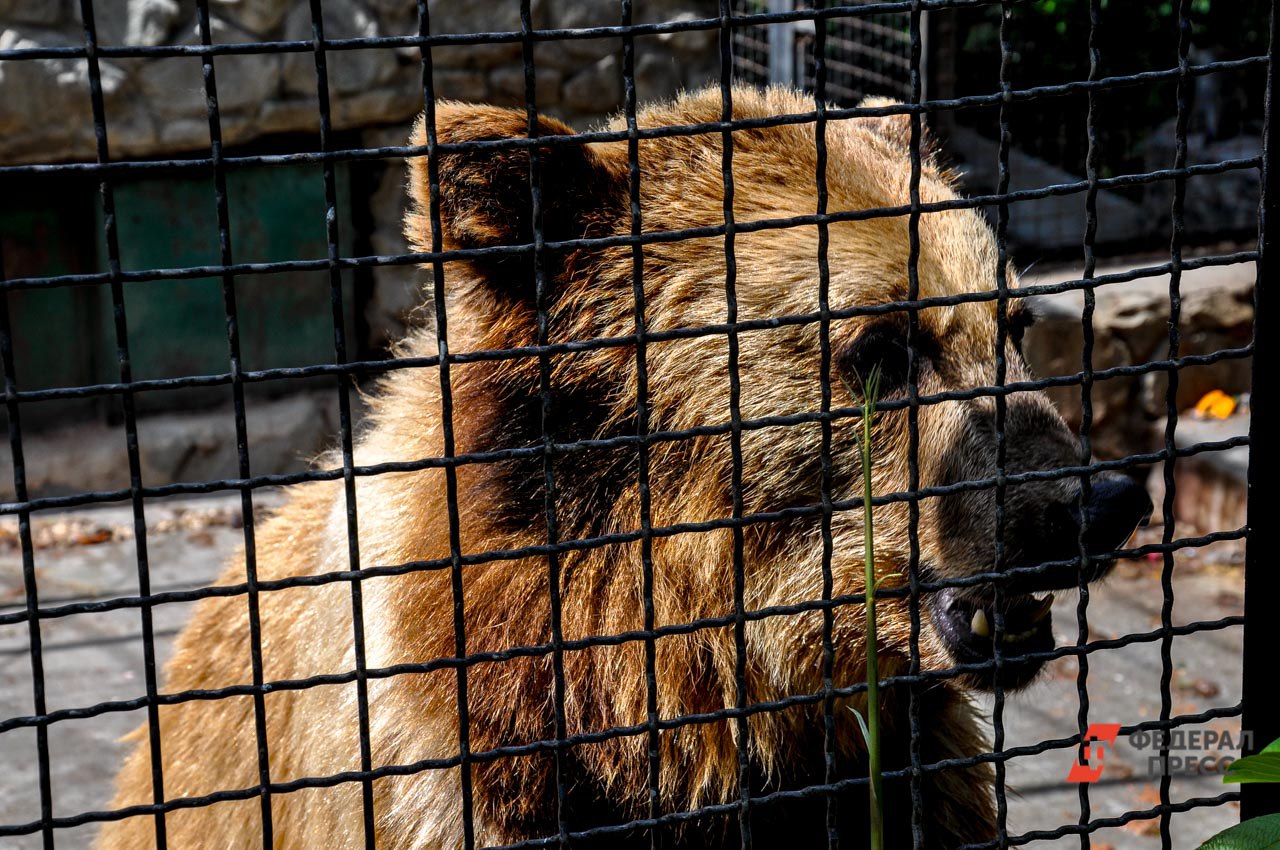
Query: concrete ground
x,y
1124,687
89,658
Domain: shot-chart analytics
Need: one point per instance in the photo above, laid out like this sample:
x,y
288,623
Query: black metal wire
x,y
828,470
373,367
753,794
1001,482
542,297
500,37
241,424
121,325
1171,402
440,304
742,729
618,640
663,531
344,419
642,430
189,488
30,587
1086,403
913,438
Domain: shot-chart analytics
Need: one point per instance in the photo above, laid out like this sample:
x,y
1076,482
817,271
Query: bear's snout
x,y
1045,558
1117,505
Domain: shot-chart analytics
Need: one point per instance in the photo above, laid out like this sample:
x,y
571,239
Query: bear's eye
x,y
882,345
1021,317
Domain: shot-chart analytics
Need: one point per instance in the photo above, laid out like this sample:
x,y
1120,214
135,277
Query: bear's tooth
x,y
979,625
1043,606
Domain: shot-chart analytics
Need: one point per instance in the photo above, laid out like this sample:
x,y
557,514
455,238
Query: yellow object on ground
x,y
1216,405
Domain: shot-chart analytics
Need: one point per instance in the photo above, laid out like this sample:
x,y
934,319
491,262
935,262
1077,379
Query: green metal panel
x,y
178,327
53,327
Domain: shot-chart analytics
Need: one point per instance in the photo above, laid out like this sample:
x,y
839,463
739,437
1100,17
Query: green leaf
x,y
1263,767
1273,747
1258,834
862,723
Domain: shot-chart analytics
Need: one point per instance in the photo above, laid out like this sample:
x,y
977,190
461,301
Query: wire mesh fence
x,y
864,55
870,55
587,774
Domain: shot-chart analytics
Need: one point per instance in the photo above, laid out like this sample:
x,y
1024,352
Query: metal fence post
x,y
782,46
1261,691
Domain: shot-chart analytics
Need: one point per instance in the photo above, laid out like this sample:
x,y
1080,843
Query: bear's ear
x,y
485,197
896,129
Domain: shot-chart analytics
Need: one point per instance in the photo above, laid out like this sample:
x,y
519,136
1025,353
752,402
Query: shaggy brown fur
x,y
210,745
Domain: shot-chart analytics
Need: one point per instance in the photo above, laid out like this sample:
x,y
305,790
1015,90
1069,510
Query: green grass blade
x,y
862,724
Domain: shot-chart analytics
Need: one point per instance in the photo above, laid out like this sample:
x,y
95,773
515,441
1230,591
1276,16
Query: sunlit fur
x,y
402,516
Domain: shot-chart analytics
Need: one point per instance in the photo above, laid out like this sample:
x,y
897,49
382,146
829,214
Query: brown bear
x,y
492,573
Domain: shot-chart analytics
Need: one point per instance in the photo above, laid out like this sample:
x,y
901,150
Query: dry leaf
x,y
100,535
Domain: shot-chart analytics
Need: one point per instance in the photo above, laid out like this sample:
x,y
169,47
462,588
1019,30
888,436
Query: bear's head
x,y
768,421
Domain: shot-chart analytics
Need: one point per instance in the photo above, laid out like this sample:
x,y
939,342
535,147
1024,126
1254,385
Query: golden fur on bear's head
x,y
588,295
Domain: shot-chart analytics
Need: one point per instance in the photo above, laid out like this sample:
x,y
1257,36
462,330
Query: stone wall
x,y
156,107
1131,327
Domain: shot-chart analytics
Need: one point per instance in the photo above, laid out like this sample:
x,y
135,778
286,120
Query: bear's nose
x,y
1117,505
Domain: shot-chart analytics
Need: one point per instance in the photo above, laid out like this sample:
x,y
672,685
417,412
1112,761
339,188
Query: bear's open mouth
x,y
967,626
965,618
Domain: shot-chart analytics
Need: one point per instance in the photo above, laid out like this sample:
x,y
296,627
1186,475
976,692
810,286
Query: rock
x,y
507,85
461,85
654,11
570,54
151,21
128,21
596,89
1211,489
1215,203
690,42
287,115
576,16
156,106
33,89
176,447
39,12
657,76
381,106
1048,223
259,17
349,70
174,88
391,7
454,17
1131,327
246,81
190,133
